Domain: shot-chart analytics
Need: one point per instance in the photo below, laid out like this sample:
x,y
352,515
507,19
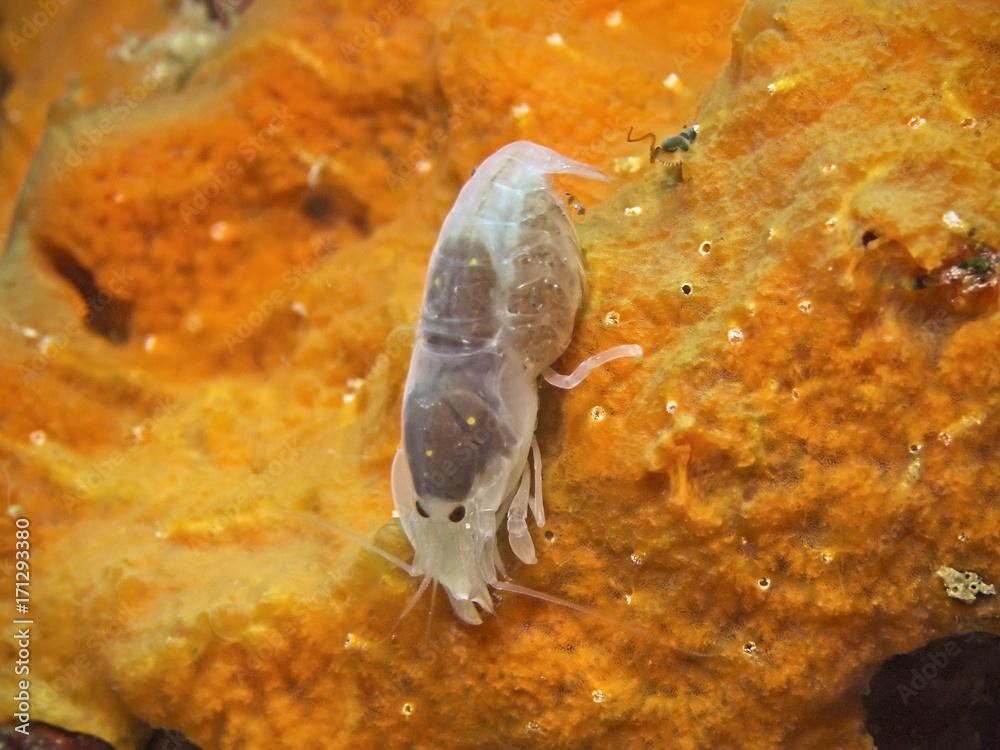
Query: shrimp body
x,y
503,288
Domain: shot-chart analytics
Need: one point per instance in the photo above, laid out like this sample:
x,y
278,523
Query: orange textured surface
x,y
59,58
250,239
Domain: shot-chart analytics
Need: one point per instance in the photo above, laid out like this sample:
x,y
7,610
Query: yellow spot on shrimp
x,y
428,453
470,421
474,262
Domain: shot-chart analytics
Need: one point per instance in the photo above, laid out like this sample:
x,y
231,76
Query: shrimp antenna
x,y
411,604
355,537
591,612
375,550
430,614
653,148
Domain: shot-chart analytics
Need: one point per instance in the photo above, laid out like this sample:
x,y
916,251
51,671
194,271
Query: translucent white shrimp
x,y
503,288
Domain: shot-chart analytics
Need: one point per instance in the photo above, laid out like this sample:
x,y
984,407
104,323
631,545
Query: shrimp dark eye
x,y
457,515
421,511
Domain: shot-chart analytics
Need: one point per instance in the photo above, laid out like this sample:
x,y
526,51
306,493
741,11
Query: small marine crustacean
x,y
503,289
680,142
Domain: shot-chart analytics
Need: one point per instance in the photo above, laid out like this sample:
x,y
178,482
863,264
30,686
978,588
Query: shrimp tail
x,y
548,161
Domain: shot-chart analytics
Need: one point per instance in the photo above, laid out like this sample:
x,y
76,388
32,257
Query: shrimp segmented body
x,y
503,288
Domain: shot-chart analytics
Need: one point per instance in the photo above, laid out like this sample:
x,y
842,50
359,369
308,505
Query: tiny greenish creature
x,y
680,142
978,263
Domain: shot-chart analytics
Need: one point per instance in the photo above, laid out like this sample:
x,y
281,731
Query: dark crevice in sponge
x,y
944,695
107,315
6,80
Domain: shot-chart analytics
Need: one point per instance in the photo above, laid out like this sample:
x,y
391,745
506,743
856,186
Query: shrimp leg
x,y
537,508
589,365
517,527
